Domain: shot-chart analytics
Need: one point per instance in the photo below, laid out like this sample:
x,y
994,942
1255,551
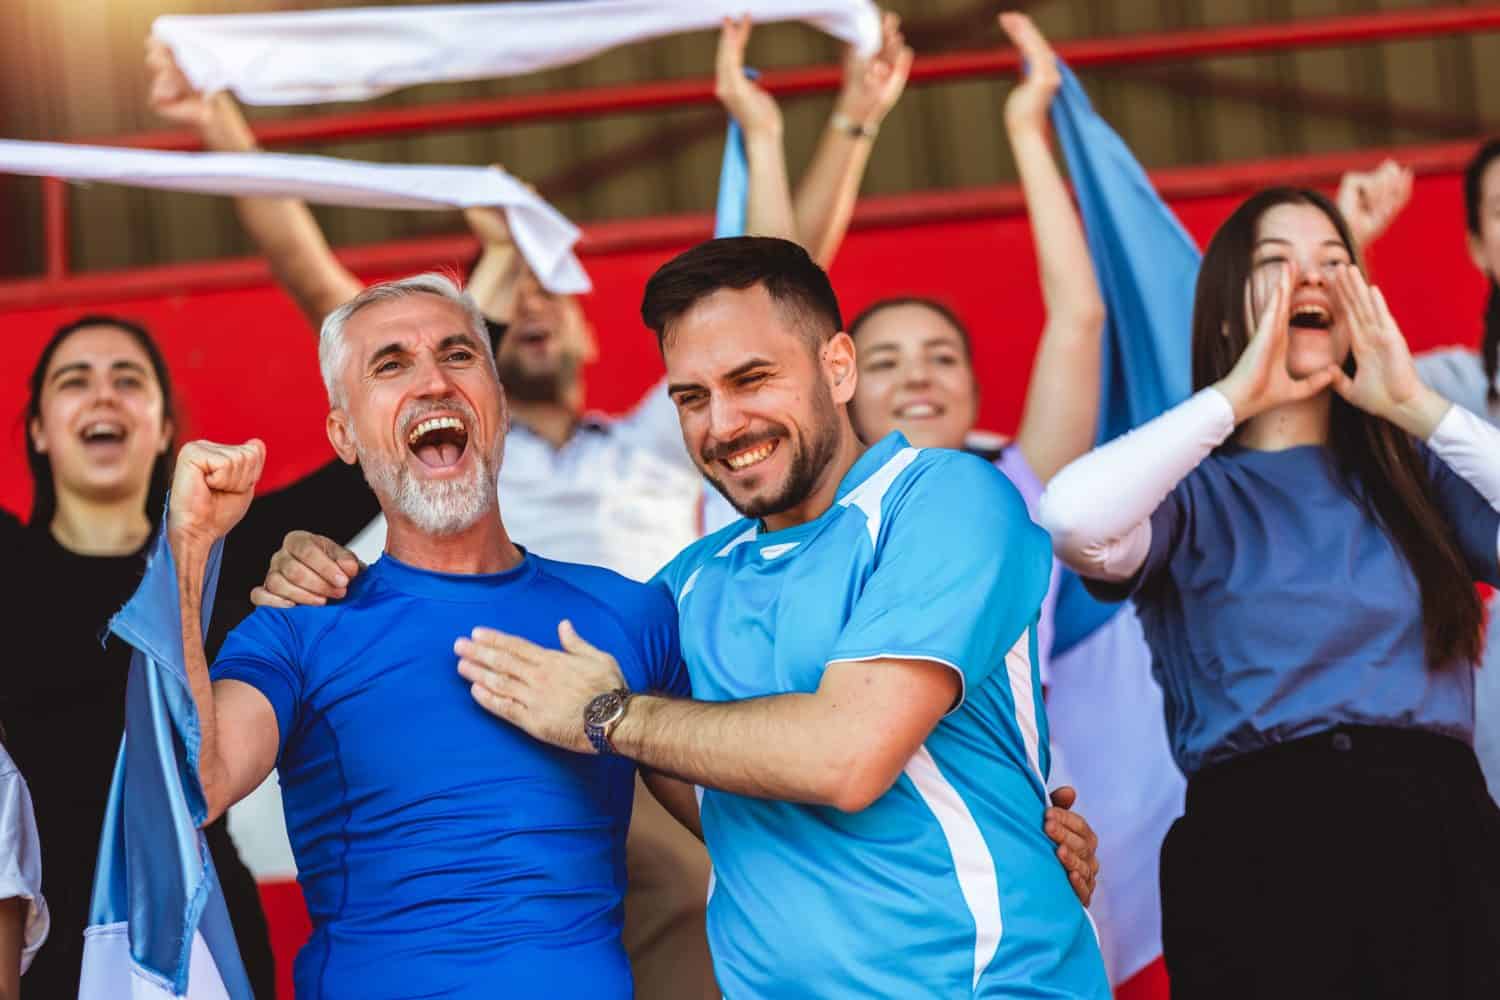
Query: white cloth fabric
x,y
355,54
109,974
1470,446
619,493
1109,741
21,857
1098,508
544,235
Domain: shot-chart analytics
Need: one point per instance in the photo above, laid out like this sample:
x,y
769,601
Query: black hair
x,y
44,491
793,280
1489,350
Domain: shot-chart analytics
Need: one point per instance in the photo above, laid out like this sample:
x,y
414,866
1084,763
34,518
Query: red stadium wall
x,y
245,361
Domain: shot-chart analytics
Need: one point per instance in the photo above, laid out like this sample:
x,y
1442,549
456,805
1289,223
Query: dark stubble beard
x,y
522,386
806,465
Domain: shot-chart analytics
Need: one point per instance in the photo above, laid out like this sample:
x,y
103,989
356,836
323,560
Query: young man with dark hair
x,y
867,723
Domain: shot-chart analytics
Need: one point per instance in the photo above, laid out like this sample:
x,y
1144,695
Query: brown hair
x,y
793,280
942,309
1378,462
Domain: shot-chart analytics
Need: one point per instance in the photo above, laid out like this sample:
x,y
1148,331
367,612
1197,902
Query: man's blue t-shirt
x,y
947,885
443,852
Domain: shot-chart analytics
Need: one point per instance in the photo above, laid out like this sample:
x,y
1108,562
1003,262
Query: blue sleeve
x,y
263,651
960,571
663,651
670,576
1168,523
1473,521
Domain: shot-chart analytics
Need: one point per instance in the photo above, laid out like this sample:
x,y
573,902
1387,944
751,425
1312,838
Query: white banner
x,y
110,974
355,54
544,235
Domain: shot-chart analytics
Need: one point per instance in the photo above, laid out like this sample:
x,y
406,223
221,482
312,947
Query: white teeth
x,y
103,427
433,424
917,410
749,458
1317,311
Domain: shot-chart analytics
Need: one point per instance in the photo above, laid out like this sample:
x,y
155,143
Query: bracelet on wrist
x,y
843,123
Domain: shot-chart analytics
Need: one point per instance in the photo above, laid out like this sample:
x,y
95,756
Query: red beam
x,y
664,233
1133,50
55,227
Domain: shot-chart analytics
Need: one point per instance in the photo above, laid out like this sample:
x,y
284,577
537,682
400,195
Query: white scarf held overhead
x,y
544,235
355,54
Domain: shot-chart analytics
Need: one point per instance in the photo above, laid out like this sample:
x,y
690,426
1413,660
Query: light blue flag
x,y
734,181
1147,266
158,926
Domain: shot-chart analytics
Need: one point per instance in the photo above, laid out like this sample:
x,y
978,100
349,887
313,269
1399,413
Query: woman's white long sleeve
x,y
1470,446
1098,509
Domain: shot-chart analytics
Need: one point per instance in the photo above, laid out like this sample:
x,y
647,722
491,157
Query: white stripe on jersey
x,y
867,496
972,862
1023,693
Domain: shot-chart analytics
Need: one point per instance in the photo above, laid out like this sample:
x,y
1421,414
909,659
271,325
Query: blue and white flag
x,y
732,209
1103,703
158,927
734,185
1147,266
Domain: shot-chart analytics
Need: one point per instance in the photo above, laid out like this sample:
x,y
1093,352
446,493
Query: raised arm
x,y
1370,200
211,489
494,278
1098,509
1062,400
769,200
824,200
843,745
283,228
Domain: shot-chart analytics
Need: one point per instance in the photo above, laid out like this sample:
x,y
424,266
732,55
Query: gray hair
x,y
333,349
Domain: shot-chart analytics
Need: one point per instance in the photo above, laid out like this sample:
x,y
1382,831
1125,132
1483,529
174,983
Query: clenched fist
x,y
211,489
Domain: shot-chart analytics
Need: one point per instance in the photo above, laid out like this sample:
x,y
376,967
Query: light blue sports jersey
x,y
946,886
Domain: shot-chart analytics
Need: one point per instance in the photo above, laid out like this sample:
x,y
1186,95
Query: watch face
x,y
603,709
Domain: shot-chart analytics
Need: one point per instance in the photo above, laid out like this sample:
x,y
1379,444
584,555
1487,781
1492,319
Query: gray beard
x,y
440,507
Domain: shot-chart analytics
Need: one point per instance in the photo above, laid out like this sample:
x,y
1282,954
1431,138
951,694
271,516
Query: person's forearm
x,y
1470,446
12,943
284,229
779,747
1062,400
191,561
1098,509
493,280
824,200
768,208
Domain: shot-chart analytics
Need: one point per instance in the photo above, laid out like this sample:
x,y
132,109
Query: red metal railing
x,y
1093,53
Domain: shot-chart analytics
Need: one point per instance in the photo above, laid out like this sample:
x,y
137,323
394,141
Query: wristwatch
x,y
602,714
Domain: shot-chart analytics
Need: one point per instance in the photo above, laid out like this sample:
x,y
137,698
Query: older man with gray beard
x,y
441,854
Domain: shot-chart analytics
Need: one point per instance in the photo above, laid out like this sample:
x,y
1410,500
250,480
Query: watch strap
x,y
849,126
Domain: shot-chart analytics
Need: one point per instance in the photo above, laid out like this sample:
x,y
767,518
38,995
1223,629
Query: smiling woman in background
x,y
100,431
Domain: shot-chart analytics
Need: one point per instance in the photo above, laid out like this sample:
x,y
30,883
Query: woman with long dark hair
x,y
100,428
1301,539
